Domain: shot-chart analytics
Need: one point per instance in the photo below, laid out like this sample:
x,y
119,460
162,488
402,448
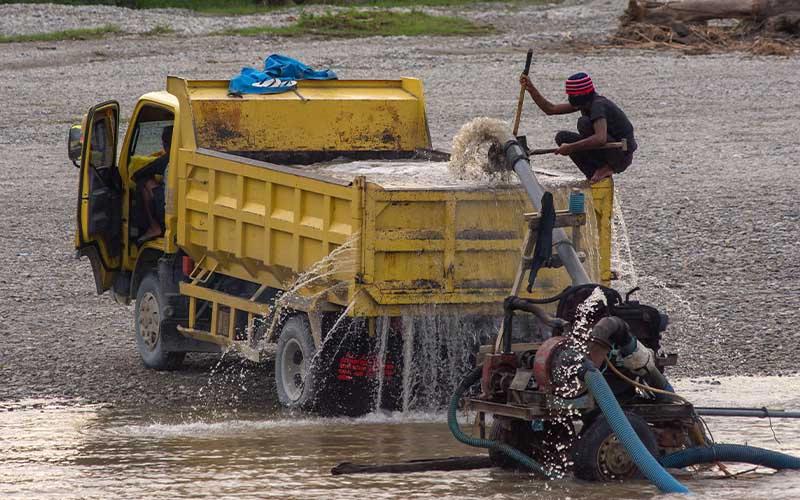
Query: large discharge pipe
x,y
518,160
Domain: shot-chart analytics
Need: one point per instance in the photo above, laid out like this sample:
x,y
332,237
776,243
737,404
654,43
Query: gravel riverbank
x,y
710,202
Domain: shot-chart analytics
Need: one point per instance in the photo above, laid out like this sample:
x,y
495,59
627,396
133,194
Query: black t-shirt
x,y
618,125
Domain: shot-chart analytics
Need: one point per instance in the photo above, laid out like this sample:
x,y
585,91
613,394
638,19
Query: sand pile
x,y
477,162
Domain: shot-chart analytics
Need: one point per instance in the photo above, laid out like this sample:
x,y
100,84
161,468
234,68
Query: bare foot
x,y
601,173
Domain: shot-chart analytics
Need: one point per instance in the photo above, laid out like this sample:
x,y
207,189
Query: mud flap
x,y
355,373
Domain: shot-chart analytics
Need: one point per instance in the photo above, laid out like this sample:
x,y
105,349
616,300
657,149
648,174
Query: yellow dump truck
x,y
274,232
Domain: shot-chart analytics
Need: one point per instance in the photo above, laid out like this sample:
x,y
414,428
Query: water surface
x,y
62,450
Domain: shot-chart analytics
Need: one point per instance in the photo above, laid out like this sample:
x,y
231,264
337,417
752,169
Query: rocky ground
x,y
710,202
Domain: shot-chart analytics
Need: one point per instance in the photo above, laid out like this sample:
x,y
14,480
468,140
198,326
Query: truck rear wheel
x,y
150,329
295,380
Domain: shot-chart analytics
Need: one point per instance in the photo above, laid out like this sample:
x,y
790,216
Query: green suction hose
x,y
452,422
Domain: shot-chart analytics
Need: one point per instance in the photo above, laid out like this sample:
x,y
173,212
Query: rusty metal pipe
x,y
519,304
745,412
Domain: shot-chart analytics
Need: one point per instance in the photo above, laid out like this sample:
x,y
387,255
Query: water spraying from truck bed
x,y
437,352
692,320
320,279
621,256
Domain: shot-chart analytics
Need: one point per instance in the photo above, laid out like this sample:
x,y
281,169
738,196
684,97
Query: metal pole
x,y
519,160
745,412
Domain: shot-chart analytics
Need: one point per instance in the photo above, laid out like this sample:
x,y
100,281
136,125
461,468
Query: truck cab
x,y
112,211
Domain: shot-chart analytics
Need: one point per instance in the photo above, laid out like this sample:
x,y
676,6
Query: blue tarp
x,y
280,75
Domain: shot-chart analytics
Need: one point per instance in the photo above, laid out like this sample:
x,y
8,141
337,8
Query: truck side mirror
x,y
74,145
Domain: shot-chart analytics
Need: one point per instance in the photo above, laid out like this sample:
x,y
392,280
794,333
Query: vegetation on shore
x,y
237,7
349,23
55,36
159,30
354,24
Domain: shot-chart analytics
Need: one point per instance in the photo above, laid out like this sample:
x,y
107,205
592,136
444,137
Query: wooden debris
x,y
693,11
761,27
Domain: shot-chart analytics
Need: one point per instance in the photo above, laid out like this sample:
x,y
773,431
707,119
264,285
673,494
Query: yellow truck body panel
x,y
331,115
261,224
451,247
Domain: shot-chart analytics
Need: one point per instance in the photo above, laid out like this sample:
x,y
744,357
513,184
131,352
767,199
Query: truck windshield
x,y
147,138
146,142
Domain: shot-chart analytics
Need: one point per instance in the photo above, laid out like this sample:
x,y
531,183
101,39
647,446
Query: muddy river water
x,y
60,450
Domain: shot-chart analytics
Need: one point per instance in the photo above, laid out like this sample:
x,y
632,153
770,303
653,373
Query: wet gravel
x,y
710,201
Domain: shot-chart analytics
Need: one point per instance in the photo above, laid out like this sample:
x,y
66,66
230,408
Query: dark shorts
x,y
590,161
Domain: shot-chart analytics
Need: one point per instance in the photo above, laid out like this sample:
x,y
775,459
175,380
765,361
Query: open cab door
x,y
99,223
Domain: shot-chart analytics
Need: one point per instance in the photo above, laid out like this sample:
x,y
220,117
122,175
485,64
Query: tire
x,y
599,456
150,330
513,432
295,380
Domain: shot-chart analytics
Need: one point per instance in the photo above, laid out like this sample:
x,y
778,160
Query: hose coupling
x,y
514,152
586,367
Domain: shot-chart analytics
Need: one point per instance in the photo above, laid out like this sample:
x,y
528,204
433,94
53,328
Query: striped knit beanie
x,y
579,84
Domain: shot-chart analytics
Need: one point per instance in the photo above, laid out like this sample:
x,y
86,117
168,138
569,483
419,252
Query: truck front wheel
x,y
150,329
295,377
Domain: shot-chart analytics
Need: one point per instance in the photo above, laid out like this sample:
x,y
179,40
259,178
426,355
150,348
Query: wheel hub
x,y
294,369
614,461
149,321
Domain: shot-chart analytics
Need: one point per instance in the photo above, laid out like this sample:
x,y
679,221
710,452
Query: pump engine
x,y
539,403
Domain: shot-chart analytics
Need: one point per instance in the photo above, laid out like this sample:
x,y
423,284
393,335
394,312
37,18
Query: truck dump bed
x,y
268,186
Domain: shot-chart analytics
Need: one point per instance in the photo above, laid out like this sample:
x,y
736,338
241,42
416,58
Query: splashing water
x,y
472,144
688,324
317,281
329,334
230,382
324,277
408,353
201,393
581,328
435,351
578,339
380,360
438,352
321,275
621,257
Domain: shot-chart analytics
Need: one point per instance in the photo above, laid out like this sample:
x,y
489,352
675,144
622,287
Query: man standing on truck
x,y
601,121
151,191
